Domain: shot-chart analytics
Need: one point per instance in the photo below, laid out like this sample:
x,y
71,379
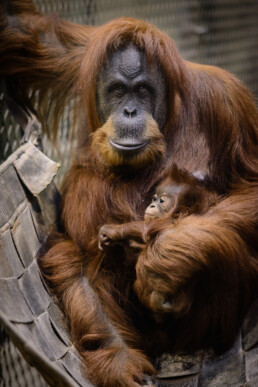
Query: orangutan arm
x,y
100,331
40,55
130,234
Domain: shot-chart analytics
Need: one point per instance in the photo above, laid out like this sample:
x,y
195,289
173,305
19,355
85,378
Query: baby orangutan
x,y
180,194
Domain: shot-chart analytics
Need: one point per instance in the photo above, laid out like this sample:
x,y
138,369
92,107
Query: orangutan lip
x,y
128,146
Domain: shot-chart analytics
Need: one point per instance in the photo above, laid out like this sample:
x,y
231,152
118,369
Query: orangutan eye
x,y
117,89
162,199
142,90
155,198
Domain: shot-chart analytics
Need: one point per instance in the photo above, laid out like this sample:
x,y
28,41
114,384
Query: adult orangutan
x,y
146,109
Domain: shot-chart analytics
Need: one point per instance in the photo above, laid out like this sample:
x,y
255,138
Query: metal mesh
x,y
10,132
14,371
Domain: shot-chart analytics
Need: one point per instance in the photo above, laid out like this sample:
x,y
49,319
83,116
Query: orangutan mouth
x,y
128,145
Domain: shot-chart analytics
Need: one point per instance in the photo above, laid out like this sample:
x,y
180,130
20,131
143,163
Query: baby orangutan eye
x,y
155,197
162,199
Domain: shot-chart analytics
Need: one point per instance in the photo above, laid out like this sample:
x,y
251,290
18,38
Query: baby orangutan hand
x,y
130,235
108,234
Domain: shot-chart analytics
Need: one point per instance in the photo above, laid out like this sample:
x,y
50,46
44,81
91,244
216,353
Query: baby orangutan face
x,y
164,201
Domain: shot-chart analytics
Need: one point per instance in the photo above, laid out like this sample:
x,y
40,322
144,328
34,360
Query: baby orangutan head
x,y
180,193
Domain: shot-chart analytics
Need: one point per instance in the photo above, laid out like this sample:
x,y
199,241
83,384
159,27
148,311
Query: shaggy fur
x,y
212,257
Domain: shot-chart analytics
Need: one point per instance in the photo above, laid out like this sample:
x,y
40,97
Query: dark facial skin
x,y
128,89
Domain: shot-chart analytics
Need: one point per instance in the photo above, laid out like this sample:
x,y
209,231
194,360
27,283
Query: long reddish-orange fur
x,y
211,126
